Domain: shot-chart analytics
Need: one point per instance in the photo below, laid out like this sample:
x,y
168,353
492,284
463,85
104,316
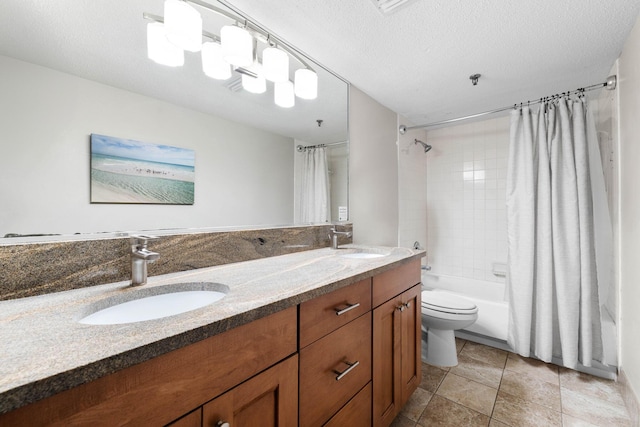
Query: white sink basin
x,y
176,301
363,255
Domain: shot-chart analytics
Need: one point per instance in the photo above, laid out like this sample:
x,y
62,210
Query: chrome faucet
x,y
140,256
333,235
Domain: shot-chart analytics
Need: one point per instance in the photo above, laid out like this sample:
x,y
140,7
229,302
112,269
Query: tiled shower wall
x,y
466,211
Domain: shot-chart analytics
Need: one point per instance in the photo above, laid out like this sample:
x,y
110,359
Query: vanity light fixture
x,y
284,95
276,64
213,63
306,84
159,49
237,45
257,83
236,49
183,25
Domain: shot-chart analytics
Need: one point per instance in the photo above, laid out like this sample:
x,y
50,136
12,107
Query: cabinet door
x,y
387,347
269,399
411,331
397,368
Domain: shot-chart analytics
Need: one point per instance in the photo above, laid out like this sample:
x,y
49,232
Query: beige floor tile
x,y
442,412
460,343
468,393
569,421
402,421
533,367
492,356
593,409
593,386
432,376
532,389
514,411
477,371
496,423
416,404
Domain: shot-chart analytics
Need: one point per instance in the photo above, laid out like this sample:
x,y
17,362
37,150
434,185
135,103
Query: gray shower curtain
x,y
553,261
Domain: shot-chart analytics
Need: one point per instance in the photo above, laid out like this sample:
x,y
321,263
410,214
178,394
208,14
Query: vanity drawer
x,y
394,282
324,314
356,413
333,369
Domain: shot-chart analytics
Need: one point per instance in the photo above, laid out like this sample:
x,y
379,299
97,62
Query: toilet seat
x,y
443,313
446,303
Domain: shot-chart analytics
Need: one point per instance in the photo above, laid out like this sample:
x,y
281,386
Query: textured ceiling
x,y
416,60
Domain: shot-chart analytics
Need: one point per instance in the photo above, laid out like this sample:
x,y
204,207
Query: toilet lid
x,y
448,303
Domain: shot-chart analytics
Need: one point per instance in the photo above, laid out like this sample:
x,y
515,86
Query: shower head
x,y
426,146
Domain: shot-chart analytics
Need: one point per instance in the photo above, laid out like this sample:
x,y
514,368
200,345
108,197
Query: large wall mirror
x,y
72,68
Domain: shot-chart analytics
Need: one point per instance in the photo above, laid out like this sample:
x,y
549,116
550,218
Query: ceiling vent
x,y
388,6
235,84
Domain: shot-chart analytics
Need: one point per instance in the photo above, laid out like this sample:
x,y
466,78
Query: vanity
x,y
320,337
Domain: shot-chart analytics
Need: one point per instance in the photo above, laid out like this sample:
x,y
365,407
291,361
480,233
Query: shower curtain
x,y
315,203
554,180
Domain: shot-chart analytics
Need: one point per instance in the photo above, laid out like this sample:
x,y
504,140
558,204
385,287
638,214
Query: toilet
x,y
443,313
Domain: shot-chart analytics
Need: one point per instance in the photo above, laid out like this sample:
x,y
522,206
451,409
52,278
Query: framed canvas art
x,y
128,171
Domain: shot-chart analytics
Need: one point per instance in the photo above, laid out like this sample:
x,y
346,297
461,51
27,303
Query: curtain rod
x,y
302,148
610,84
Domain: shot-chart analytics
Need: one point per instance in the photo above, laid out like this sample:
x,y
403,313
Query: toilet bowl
x,y
443,313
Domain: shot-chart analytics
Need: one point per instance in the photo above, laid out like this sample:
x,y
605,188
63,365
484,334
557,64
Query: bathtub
x,y
493,318
493,310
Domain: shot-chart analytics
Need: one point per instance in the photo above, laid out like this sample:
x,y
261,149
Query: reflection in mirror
x,y
74,68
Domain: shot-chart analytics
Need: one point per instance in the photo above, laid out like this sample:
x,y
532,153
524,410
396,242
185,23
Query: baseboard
x,y
630,398
483,339
598,369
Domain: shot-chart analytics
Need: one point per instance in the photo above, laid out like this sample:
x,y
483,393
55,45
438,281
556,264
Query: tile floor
x,y
495,388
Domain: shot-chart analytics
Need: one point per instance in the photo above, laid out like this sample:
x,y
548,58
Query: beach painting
x,y
127,171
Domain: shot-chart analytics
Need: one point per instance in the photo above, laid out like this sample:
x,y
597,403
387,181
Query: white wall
x,y
629,93
373,171
244,176
412,176
467,221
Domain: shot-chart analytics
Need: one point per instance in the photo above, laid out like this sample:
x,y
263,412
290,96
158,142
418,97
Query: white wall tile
x,y
465,190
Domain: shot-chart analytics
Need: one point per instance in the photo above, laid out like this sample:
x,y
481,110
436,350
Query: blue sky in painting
x,y
128,148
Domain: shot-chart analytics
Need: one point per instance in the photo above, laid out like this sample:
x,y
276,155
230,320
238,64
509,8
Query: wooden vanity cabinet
x,y
347,358
335,357
192,419
396,340
163,389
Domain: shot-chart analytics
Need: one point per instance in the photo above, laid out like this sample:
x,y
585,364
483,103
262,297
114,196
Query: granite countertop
x,y
44,350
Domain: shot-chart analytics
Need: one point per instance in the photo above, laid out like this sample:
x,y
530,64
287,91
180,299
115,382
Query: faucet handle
x,y
141,239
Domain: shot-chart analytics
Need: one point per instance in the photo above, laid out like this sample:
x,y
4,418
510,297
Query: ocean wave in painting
x,y
121,180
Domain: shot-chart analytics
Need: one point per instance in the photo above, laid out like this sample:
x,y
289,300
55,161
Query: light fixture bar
x,y
252,27
249,26
160,19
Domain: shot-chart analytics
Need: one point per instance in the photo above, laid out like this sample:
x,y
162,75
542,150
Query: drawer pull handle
x,y
346,371
348,308
223,424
